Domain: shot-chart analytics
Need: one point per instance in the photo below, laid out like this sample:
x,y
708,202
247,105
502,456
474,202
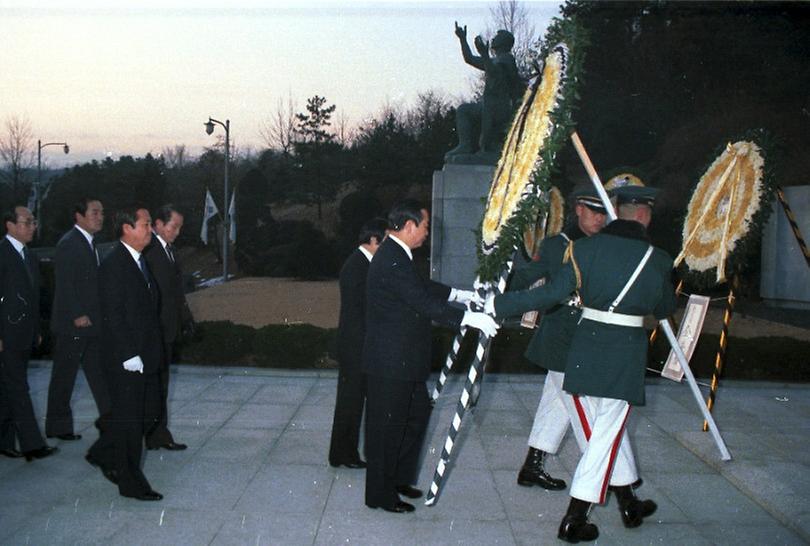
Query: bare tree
x,y
278,131
17,152
175,156
429,105
344,132
514,16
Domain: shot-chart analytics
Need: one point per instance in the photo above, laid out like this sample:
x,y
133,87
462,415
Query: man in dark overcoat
x,y
132,351
620,277
19,333
351,389
76,321
400,306
164,264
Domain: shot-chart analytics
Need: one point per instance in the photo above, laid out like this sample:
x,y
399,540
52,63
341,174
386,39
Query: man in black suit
x,y
132,353
19,333
174,311
76,321
400,306
351,390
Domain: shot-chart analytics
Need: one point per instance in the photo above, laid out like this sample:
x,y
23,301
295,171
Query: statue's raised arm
x,y
469,58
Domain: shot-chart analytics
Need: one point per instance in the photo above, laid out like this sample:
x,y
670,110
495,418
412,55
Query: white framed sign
x,y
688,334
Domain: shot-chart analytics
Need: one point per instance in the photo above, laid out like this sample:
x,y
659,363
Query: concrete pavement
x,y
256,471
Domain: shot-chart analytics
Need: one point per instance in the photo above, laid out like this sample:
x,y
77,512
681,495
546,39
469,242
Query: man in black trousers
x,y
76,321
19,333
351,390
164,265
400,306
132,353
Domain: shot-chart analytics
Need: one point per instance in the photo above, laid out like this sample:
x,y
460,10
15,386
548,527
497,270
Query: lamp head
x,y
66,149
209,127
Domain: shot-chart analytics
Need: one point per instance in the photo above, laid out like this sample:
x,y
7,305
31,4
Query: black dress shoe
x,y
352,464
41,453
171,446
399,508
11,453
109,473
148,496
575,528
410,492
634,512
69,437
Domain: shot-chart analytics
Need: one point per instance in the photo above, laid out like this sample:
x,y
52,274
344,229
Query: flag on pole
x,y
33,199
232,216
210,210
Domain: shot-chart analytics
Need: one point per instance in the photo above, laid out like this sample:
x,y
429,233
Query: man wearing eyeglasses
x,y
19,333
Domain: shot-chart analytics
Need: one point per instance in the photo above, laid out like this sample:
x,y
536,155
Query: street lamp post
x,y
40,145
209,128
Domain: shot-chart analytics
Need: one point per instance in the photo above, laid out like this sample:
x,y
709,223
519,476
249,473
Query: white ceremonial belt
x,y
634,321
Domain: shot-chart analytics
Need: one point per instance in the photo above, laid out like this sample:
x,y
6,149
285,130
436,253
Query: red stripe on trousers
x,y
586,428
613,451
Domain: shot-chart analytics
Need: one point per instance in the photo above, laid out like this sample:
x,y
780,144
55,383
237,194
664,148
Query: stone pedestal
x,y
785,277
459,197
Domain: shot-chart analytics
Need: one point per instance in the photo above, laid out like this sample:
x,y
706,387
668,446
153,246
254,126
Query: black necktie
x,y
95,250
170,252
144,270
27,263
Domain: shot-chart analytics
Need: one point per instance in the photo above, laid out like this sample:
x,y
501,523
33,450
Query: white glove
x,y
489,304
482,321
461,296
134,364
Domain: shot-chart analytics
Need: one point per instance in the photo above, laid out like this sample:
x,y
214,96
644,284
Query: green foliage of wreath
x,y
535,201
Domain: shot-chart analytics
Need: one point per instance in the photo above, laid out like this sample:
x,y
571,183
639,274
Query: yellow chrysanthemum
x,y
521,152
548,224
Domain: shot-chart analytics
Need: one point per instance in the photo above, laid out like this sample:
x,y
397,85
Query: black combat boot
x,y
533,473
632,510
575,526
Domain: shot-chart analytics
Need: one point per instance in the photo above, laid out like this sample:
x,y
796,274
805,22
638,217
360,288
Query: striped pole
x,y
793,225
452,356
720,358
473,376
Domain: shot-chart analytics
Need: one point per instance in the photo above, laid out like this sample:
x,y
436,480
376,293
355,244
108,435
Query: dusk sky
x,y
145,75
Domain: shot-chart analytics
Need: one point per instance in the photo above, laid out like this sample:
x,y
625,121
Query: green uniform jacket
x,y
550,343
606,360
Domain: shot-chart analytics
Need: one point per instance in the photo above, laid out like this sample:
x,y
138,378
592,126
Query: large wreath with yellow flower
x,y
727,211
520,187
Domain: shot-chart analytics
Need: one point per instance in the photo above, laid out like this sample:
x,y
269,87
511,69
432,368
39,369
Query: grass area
x,y
303,346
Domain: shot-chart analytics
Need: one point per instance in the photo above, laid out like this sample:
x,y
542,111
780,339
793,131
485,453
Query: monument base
x,y
459,198
785,277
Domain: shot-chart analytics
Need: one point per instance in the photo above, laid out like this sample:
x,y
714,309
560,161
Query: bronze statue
x,y
481,126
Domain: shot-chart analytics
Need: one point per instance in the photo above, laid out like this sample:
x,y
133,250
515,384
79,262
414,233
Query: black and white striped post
x,y
452,356
473,377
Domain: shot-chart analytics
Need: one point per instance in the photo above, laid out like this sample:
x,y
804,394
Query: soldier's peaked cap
x,y
638,195
585,194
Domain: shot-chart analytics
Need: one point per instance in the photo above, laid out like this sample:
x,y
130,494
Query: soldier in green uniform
x,y
620,277
549,345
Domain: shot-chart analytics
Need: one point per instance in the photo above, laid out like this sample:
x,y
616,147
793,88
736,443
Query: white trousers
x,y
555,412
608,458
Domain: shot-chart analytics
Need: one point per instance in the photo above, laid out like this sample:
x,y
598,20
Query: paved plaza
x,y
256,472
